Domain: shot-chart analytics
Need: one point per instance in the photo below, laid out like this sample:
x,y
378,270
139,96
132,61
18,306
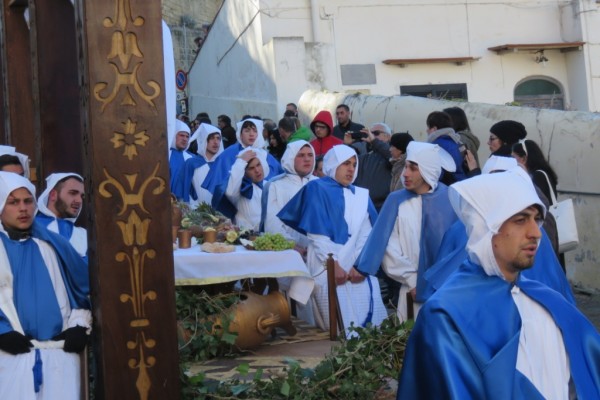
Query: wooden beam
x,y
127,172
54,57
19,118
533,47
18,3
402,62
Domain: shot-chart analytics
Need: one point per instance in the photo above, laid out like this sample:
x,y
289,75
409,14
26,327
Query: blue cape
x,y
446,143
216,180
65,227
74,272
438,216
176,163
182,186
546,268
465,342
318,208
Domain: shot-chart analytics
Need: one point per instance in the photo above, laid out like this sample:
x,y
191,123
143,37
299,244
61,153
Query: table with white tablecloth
x,y
196,267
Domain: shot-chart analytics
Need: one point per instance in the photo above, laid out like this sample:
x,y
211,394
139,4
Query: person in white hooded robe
x,y
59,207
178,144
9,158
249,135
489,332
45,313
245,186
298,161
412,223
337,217
189,183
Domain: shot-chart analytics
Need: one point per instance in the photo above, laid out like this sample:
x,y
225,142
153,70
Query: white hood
x,y
483,203
430,158
289,156
201,135
51,182
335,157
23,159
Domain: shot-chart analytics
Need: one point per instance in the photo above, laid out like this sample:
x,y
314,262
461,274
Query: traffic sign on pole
x,y
181,79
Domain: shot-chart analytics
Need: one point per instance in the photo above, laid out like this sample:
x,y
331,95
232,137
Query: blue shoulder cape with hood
x,y
318,208
73,268
182,186
464,344
546,267
216,180
438,216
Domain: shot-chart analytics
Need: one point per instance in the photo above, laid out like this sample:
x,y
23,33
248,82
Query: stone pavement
x,y
588,302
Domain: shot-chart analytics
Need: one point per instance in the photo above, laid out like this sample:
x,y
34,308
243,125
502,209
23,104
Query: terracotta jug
x,y
257,315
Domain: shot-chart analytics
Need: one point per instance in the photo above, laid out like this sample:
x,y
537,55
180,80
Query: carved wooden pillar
x,y
131,258
3,137
54,63
19,119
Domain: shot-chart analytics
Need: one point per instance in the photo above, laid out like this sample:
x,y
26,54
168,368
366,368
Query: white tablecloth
x,y
195,267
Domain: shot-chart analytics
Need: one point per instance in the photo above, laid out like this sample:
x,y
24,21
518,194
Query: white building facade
x,y
262,54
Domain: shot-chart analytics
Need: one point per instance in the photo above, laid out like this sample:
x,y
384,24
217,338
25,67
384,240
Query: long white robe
x,y
248,210
354,299
540,339
204,196
61,370
401,259
279,193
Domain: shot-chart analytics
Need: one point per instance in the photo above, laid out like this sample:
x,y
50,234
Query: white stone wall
x,y
570,140
234,73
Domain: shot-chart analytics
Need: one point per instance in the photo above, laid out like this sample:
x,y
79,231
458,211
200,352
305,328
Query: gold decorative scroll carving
x,y
133,191
129,139
124,48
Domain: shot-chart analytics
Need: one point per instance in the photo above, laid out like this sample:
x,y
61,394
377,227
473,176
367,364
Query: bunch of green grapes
x,y
273,242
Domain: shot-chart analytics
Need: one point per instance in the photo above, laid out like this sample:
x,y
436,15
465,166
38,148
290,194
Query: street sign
x,y
180,79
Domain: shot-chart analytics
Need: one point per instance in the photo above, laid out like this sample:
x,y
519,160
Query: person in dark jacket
x,y
375,169
345,127
460,123
398,144
227,131
503,135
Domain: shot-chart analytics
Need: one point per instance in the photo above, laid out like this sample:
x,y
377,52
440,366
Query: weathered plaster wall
x,y
235,74
570,140
186,19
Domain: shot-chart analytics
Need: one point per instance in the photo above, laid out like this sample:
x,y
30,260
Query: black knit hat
x,y
510,132
401,140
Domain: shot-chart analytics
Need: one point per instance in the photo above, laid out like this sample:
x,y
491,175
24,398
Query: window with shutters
x,y
539,93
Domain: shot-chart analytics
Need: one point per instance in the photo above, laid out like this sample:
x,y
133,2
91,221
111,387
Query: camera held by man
x,y
357,136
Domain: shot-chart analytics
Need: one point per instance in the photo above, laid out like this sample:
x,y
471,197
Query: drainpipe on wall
x,y
315,17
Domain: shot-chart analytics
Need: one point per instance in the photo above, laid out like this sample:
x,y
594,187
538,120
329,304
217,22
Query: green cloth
x,y
304,133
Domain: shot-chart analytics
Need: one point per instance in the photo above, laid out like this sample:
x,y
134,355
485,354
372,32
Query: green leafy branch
x,y
356,369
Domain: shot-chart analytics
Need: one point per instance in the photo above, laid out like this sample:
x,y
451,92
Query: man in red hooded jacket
x,y
322,127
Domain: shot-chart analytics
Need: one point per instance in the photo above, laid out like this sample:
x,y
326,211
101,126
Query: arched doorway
x,y
539,93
